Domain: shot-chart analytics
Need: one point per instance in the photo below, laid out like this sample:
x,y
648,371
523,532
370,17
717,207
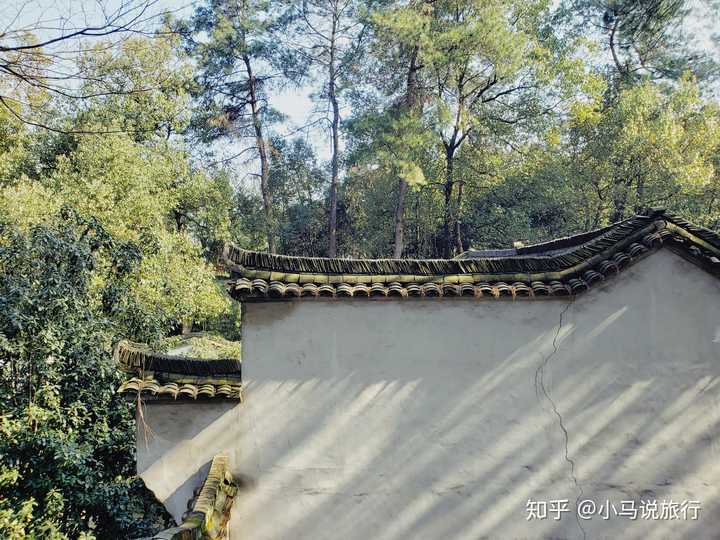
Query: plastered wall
x,y
439,419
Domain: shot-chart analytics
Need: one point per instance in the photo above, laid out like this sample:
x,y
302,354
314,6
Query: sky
x,y
294,103
45,18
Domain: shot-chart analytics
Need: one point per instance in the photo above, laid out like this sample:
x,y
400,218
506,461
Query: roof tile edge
x,y
158,376
210,511
591,257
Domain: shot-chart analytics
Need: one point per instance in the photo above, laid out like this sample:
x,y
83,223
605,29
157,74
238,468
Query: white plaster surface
x,y
426,419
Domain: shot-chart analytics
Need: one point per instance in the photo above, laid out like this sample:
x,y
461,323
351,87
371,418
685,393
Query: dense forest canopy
x,y
135,140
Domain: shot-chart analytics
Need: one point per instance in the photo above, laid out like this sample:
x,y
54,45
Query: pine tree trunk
x,y
620,201
458,216
332,246
262,153
332,96
448,212
411,101
639,195
400,218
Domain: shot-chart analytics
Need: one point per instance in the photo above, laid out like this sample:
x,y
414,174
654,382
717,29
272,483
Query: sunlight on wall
x,y
440,419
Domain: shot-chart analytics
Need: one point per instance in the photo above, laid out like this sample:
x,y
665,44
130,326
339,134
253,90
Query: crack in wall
x,y
540,387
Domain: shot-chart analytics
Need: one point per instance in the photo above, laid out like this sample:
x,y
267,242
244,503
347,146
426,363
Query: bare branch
x,y
45,54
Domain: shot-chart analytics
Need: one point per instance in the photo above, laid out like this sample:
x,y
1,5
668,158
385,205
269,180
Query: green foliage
x,y
176,284
646,39
148,195
103,237
247,220
651,149
13,147
532,200
496,115
298,184
221,37
368,196
66,437
487,72
394,142
141,194
141,89
17,520
209,346
126,185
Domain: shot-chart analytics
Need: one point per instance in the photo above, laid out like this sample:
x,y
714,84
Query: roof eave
x,y
582,261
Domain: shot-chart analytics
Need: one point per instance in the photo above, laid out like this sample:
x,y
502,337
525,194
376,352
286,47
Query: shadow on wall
x,y
418,434
175,448
178,503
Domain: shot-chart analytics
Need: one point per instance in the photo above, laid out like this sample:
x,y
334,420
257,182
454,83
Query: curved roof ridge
x,y
563,266
554,255
708,235
547,248
578,239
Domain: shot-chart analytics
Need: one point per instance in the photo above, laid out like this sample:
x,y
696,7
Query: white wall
x,y
426,419
176,442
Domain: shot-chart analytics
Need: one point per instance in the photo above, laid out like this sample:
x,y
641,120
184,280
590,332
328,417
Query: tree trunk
x,y
332,96
187,326
419,245
613,52
448,213
410,104
400,218
262,153
623,70
619,204
412,89
458,216
640,195
178,220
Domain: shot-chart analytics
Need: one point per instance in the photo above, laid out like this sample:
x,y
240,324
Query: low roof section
x,y
159,376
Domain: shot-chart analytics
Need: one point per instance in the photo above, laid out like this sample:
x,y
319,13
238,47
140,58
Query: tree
x,y
66,437
330,36
390,147
40,57
232,44
646,39
138,183
298,184
140,87
14,142
651,149
535,196
138,193
488,68
398,43
119,223
299,188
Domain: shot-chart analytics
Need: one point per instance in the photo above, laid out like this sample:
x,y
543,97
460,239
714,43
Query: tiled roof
x,y
151,387
566,266
137,356
208,513
166,377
